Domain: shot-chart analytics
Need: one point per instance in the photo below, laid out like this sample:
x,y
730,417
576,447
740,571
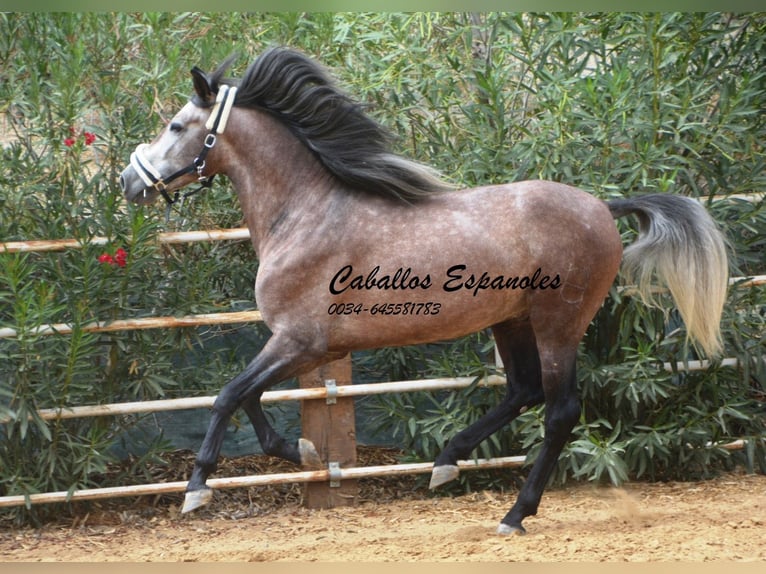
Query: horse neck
x,y
277,181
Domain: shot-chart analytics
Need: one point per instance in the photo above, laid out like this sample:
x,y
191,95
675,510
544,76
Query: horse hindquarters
x,y
589,262
539,349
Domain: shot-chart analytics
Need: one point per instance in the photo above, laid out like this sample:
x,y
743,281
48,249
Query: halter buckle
x,y
210,140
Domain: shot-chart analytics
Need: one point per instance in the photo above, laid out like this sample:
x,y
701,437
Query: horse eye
x,y
175,127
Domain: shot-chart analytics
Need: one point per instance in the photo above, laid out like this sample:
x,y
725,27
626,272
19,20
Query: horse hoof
x,y
507,530
309,455
443,474
193,499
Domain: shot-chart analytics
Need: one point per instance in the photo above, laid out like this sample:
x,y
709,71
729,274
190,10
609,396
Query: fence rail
x,y
267,397
235,233
163,238
210,319
184,403
256,480
141,323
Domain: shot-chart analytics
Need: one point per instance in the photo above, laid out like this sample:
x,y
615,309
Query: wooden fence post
x,y
330,425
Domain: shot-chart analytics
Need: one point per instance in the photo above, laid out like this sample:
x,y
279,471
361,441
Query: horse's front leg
x,y
303,452
280,359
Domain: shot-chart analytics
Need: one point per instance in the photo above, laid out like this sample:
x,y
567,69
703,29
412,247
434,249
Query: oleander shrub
x,y
615,103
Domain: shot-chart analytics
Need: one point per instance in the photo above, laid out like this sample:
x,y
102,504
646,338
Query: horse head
x,y
178,156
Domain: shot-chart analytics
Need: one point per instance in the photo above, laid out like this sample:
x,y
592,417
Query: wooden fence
x,y
327,409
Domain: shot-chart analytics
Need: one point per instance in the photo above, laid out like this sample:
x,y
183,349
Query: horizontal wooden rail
x,y
226,234
699,365
276,478
267,397
167,237
161,405
141,323
218,318
750,281
254,480
753,281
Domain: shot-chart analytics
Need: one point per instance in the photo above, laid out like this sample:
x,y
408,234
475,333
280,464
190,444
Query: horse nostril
x,y
122,183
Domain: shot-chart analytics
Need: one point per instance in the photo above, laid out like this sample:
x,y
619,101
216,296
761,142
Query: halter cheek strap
x,y
215,125
224,101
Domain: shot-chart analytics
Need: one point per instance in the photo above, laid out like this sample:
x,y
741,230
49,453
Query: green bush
x,y
617,104
613,103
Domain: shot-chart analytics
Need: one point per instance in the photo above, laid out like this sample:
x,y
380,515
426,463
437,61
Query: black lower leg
x,y
518,349
561,415
207,457
463,443
271,442
280,359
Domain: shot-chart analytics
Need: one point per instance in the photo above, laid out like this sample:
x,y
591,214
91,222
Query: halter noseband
x,y
215,125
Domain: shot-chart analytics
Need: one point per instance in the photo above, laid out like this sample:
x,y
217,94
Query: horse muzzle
x,y
134,188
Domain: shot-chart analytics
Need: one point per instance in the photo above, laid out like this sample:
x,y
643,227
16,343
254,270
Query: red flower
x,y
89,137
121,257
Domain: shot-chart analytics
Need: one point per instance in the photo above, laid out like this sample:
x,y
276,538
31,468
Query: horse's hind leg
x,y
562,410
516,344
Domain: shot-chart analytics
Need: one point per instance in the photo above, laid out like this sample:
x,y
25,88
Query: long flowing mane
x,y
350,144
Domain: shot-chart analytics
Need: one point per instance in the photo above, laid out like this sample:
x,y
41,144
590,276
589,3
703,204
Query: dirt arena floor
x,y
720,519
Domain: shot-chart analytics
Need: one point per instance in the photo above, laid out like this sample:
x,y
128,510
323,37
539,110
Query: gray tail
x,y
680,242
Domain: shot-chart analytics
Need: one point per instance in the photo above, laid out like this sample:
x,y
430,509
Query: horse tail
x,y
680,242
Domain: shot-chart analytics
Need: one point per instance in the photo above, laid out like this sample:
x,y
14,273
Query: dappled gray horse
x,y
360,248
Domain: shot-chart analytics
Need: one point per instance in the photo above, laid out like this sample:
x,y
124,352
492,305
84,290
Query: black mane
x,y
351,145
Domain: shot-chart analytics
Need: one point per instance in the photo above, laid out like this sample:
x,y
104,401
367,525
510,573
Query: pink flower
x,y
69,142
106,258
89,138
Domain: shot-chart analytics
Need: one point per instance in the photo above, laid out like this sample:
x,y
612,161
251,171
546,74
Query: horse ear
x,y
202,85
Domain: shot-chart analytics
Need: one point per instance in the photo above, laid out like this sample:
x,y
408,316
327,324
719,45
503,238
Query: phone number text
x,y
409,308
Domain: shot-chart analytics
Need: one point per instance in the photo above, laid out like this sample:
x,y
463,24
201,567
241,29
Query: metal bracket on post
x,y
332,391
335,474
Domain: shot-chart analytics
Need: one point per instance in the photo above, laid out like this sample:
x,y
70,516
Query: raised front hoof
x,y
193,499
443,474
309,455
504,529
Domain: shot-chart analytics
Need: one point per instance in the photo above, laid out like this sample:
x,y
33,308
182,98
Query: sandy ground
x,y
720,519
